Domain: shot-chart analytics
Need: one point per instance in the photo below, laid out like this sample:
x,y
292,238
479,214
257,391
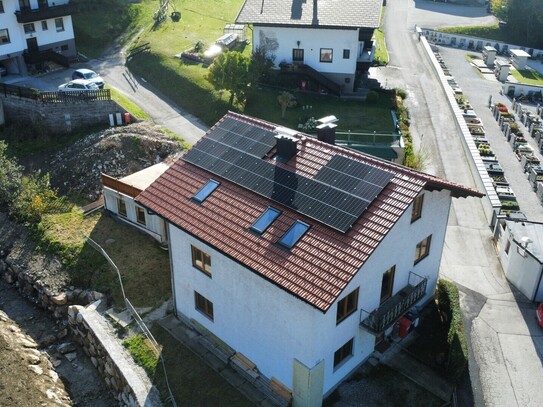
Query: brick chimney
x,y
286,147
326,130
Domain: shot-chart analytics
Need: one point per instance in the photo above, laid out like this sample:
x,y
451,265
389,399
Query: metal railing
x,y
55,96
396,306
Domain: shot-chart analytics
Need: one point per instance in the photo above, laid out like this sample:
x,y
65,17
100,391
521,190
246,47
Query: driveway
x,y
505,342
112,68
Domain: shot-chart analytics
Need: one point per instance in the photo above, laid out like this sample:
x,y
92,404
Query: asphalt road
x,y
505,341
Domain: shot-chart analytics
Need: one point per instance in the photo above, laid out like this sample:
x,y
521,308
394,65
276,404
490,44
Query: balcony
x,y
27,15
392,309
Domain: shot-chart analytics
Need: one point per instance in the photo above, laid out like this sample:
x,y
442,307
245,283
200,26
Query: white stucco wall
x,y
311,41
154,225
18,36
272,327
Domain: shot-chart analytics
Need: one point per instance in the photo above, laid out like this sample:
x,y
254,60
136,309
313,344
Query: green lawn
x,y
193,383
491,32
528,76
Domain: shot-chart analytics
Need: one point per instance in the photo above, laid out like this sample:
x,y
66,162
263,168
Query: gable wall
x,y
272,327
282,40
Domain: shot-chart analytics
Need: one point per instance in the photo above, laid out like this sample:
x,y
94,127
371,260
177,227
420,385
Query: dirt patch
x,y
54,374
118,152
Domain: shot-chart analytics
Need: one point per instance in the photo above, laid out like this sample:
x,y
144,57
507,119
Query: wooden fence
x,y
55,96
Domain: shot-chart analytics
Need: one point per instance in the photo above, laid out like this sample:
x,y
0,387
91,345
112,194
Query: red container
x,y
405,324
539,314
127,118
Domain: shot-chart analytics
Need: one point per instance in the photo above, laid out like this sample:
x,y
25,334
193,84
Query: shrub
x,y
401,93
449,307
142,352
373,97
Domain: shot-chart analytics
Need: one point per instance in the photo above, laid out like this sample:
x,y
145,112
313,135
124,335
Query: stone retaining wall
x,y
33,290
128,382
60,117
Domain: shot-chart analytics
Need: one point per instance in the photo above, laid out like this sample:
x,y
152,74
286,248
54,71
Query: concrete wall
x,y
273,328
518,89
480,175
463,41
60,117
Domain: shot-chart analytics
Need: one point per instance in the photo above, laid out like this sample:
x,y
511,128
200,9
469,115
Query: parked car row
x,y
82,80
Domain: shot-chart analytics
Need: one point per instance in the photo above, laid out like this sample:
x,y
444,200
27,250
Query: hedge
x,y
449,307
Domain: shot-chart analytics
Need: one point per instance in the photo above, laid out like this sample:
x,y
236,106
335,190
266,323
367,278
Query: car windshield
x,y
91,75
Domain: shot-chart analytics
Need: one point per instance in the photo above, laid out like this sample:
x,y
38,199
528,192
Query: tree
x,y
286,99
11,174
260,64
230,71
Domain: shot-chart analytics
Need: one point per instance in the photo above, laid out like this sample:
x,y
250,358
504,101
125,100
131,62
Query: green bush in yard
x,y
449,307
373,97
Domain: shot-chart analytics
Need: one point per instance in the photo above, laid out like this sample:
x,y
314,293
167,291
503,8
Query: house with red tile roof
x,y
297,255
331,37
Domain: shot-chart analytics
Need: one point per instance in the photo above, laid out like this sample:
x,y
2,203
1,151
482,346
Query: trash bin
x,y
405,325
127,118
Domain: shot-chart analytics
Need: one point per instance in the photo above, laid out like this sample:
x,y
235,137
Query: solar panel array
x,y
334,197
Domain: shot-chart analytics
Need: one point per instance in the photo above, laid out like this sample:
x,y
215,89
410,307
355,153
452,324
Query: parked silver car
x,y
78,85
87,74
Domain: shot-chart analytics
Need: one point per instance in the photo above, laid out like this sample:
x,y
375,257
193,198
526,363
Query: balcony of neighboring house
x,y
44,12
390,311
366,50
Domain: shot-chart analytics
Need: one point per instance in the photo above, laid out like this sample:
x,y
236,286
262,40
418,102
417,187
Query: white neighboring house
x,y
520,250
33,26
332,37
298,255
119,197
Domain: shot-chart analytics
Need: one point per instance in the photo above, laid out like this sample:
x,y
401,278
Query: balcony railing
x,y
27,15
392,309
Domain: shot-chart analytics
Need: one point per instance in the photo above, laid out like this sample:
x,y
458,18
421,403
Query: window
x,y
294,234
4,36
205,191
1,6
29,28
423,249
387,284
121,206
203,305
347,306
417,208
343,353
59,24
297,55
44,25
265,220
346,53
201,260
140,215
326,55
64,48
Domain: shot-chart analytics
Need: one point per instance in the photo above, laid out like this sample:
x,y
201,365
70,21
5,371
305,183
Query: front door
x,y
32,45
297,56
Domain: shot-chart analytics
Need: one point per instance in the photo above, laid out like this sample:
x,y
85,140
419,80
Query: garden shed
x,y
239,29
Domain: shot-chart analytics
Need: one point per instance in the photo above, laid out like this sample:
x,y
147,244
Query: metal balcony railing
x,y
28,15
396,306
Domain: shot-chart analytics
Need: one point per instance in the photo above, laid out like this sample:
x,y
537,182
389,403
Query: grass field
x,y
491,32
528,76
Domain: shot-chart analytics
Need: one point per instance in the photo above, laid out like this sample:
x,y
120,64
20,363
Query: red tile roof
x,y
324,260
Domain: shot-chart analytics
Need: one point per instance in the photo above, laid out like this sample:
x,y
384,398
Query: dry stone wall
x,y
123,377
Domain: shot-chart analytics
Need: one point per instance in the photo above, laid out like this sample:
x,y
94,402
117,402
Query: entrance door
x,y
297,56
32,45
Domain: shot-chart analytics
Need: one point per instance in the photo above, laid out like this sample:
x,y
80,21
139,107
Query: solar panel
x,y
337,196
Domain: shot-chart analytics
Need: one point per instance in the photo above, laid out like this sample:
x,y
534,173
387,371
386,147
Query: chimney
x,y
326,130
286,147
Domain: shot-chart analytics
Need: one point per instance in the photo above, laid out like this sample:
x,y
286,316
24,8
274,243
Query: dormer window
x,y
265,220
205,191
294,234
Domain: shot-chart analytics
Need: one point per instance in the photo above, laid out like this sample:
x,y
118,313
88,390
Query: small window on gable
x,y
140,215
346,53
294,234
265,220
347,306
59,24
1,6
205,191
417,208
44,25
423,249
